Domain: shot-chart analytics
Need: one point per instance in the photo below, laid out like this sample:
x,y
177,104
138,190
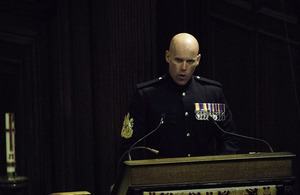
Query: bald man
x,y
184,103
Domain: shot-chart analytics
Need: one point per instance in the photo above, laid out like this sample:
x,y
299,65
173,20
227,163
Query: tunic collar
x,y
176,86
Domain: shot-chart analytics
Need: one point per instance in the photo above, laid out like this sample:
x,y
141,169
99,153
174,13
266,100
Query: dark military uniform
x,y
181,134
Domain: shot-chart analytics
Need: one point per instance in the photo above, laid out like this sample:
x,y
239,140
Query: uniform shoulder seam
x,y
148,83
209,81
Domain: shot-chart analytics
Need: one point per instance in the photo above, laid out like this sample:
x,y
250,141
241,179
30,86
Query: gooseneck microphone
x,y
163,115
238,135
138,147
144,137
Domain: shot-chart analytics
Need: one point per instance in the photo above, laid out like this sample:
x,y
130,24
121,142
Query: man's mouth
x,y
181,76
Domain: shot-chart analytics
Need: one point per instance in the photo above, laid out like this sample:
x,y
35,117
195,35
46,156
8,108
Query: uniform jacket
x,y
181,134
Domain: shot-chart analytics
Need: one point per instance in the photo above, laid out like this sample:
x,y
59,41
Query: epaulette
x,y
209,81
147,83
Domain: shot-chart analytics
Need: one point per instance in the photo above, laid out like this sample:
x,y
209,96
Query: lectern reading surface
x,y
205,171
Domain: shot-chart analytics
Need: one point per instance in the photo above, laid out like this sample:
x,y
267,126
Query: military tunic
x,y
181,134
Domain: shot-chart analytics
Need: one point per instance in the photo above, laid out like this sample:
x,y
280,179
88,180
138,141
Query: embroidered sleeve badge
x,y
127,127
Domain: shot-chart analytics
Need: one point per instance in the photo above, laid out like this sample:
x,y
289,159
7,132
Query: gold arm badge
x,y
127,127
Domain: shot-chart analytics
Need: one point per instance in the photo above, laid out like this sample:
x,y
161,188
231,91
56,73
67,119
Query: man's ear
x,y
198,59
167,56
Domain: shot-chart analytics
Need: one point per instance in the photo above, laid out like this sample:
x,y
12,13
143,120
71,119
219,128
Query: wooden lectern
x,y
139,176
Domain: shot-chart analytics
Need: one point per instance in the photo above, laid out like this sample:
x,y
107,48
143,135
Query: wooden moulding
x,y
221,168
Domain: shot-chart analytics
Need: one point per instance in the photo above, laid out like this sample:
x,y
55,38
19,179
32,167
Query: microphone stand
x,y
238,135
132,146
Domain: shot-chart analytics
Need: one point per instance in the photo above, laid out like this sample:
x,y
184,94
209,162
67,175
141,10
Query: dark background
x,y
68,71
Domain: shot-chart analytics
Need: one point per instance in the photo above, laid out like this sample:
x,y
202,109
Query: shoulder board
x,y
147,83
209,81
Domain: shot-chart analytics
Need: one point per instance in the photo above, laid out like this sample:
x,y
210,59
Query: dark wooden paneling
x,y
8,101
24,59
278,111
18,52
255,53
232,60
238,12
239,34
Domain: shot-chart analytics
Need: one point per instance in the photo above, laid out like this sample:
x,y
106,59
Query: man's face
x,y
182,64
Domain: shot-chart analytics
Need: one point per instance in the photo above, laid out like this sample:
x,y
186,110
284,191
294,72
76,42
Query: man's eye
x,y
178,60
190,61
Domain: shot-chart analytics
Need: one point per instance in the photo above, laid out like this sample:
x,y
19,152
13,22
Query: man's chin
x,y
181,82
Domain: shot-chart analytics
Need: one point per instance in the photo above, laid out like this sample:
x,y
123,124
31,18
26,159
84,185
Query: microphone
x,y
163,115
138,147
120,161
210,118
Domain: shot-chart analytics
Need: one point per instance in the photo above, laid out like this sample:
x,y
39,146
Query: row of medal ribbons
x,y
215,110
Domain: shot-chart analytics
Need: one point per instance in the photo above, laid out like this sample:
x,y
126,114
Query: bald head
x,y
183,57
184,41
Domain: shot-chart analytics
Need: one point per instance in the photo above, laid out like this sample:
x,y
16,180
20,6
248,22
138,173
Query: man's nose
x,y
183,65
